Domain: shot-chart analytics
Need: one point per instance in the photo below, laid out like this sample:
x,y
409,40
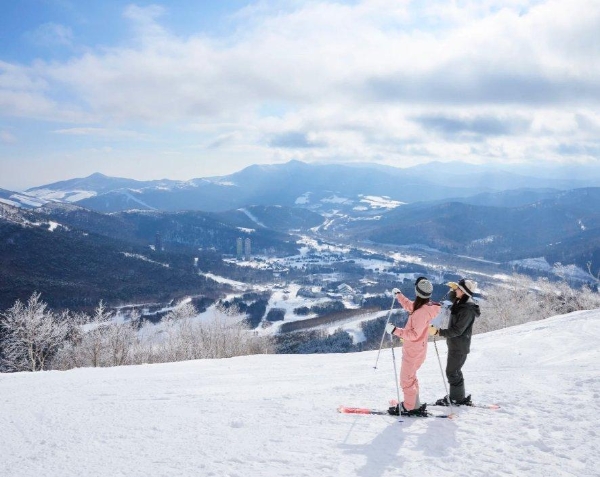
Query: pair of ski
x,y
363,410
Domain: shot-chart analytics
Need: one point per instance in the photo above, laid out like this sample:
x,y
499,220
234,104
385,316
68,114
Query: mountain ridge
x,y
285,184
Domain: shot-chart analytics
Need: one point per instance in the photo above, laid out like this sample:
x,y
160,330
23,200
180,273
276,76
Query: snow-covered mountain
x,y
562,226
74,190
72,267
20,199
275,415
70,253
320,187
453,207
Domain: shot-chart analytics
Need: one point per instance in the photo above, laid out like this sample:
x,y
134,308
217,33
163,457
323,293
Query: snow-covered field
x,y
275,415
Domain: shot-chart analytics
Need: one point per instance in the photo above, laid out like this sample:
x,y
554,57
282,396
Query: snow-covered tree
x,y
180,342
93,341
121,339
508,304
523,299
219,337
32,335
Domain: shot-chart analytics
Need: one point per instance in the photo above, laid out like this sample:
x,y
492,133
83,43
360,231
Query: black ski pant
x,y
455,376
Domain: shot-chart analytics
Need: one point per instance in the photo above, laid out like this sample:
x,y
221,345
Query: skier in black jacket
x,y
458,337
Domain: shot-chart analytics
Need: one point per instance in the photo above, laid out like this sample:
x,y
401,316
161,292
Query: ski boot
x,y
400,410
460,402
418,412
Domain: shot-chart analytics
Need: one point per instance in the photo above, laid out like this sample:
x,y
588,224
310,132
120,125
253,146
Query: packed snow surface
x,y
275,415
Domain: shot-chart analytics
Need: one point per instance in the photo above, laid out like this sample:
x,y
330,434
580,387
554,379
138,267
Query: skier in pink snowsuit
x,y
415,335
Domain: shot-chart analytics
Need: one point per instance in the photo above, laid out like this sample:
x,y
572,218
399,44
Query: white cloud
x,y
51,35
145,21
26,92
323,53
384,80
100,132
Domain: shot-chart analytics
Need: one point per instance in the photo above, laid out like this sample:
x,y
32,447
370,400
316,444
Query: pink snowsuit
x,y
414,350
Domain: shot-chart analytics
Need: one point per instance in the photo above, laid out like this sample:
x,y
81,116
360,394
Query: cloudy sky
x,y
193,89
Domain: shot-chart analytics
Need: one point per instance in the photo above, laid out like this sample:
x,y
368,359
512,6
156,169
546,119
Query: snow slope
x,y
275,415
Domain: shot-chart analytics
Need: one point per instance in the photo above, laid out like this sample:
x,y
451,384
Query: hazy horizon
x,y
584,172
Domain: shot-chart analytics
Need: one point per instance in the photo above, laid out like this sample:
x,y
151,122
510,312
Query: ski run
x,y
275,415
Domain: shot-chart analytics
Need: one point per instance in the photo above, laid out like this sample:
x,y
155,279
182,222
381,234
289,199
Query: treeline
x,y
523,299
33,338
321,309
184,230
92,257
75,270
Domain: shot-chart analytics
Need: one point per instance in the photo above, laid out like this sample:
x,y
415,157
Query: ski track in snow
x,y
253,218
275,415
135,199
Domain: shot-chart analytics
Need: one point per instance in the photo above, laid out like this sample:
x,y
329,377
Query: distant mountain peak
x,y
99,175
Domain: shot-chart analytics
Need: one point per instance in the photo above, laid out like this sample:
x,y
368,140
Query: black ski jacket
x,y
460,327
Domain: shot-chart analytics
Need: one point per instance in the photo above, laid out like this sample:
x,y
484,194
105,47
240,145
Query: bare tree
x,y
70,356
219,338
180,334
120,340
32,335
93,347
101,341
508,304
185,337
145,346
523,299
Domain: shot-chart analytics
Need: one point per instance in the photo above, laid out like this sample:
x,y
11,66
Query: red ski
x,y
362,410
366,410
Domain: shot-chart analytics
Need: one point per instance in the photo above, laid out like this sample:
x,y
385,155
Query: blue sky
x,y
183,89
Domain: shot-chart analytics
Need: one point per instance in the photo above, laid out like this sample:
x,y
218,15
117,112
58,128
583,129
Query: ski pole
x,y
383,335
396,374
443,378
